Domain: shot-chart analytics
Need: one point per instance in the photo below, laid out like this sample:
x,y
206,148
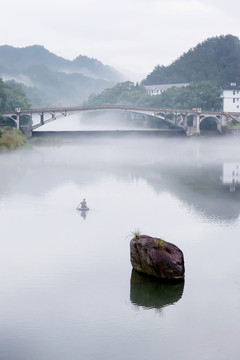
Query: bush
x,y
12,139
7,128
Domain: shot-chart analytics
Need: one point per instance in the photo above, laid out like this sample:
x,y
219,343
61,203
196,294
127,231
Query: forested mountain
x,y
216,60
50,80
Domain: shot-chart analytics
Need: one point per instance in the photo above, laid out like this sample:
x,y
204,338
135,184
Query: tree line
x,y
203,95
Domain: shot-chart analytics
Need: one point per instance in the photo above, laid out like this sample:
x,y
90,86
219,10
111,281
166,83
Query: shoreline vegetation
x,y
11,139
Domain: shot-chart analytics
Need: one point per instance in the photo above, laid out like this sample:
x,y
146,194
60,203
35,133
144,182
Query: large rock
x,y
156,257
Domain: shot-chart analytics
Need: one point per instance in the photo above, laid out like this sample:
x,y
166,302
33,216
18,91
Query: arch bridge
x,y
187,120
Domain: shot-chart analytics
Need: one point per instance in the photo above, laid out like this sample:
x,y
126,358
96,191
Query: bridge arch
x,y
170,118
50,115
210,122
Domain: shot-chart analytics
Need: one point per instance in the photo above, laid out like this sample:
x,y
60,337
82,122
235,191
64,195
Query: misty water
x,y
67,289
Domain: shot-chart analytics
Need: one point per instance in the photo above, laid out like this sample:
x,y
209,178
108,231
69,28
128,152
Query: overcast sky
x,y
128,34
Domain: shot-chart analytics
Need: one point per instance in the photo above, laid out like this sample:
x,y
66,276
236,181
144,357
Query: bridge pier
x,y
17,120
196,123
185,121
224,120
219,127
27,127
42,118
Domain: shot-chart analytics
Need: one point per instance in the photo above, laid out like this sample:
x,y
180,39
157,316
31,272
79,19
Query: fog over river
x,y
67,289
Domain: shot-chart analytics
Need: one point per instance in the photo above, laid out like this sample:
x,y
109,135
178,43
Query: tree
x,y
3,96
15,96
125,93
12,96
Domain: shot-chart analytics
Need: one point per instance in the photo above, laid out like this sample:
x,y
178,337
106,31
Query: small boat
x,y
83,206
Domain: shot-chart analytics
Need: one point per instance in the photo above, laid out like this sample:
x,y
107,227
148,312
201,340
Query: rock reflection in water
x,y
149,293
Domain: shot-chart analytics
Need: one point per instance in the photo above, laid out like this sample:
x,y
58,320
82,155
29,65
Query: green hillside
x,y
216,60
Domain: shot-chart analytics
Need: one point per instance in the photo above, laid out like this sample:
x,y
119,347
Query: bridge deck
x,y
177,117
111,107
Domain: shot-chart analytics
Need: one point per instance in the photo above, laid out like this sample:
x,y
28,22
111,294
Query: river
x,y
67,289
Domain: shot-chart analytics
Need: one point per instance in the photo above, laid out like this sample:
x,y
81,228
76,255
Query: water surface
x,y
67,289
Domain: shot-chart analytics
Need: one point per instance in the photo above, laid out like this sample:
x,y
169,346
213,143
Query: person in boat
x,y
83,204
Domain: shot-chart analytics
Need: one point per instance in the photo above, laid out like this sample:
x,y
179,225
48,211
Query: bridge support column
x,y
185,122
18,121
219,127
196,123
42,118
224,120
27,128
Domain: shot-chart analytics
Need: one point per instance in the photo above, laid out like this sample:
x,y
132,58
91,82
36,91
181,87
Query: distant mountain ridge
x,y
50,80
217,59
21,58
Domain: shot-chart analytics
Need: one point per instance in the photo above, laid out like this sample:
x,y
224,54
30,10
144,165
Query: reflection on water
x,y
194,178
149,293
83,213
231,175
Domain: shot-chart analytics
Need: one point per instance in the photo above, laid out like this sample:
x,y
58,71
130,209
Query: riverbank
x,y
11,139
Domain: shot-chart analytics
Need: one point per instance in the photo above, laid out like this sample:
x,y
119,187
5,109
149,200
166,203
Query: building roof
x,y
232,86
164,86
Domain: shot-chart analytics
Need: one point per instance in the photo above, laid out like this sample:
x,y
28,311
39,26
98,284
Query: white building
x,y
159,89
231,98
